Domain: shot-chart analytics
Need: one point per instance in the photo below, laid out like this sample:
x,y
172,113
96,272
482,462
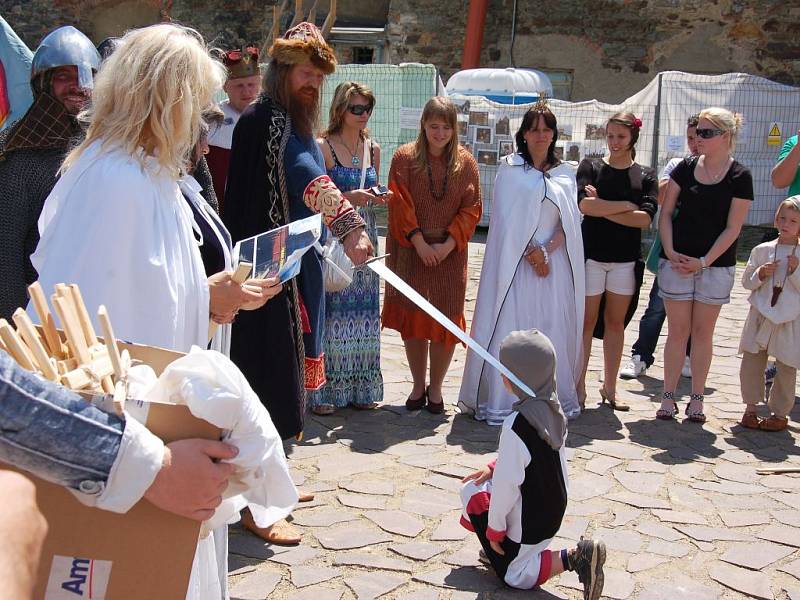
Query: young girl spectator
x,y
516,504
436,206
698,255
618,199
773,323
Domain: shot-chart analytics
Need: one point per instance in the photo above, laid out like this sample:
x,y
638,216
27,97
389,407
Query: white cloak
x,y
516,207
123,233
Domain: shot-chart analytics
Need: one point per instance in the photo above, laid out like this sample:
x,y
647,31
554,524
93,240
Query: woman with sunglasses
x,y
698,256
436,208
351,341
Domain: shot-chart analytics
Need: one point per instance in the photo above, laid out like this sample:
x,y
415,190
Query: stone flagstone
x,y
677,516
429,502
618,584
367,586
787,517
449,529
620,540
254,547
324,517
460,578
361,501
443,482
624,515
587,486
744,518
369,486
753,583
638,500
303,576
756,555
317,593
396,521
640,483
600,464
671,549
296,556
710,534
256,586
345,537
783,534
371,561
659,531
643,562
793,568
673,589
417,550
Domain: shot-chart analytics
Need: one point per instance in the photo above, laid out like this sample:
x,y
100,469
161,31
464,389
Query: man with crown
x,y
242,88
277,175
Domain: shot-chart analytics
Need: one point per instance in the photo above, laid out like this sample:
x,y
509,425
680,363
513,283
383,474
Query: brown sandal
x,y
279,533
750,420
774,423
323,410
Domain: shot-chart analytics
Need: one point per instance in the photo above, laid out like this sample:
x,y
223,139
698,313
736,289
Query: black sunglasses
x,y
707,134
360,109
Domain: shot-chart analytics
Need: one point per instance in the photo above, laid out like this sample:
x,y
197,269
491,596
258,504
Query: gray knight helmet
x,y
66,46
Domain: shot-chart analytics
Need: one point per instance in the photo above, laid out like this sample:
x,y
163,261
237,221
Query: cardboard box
x,y
145,554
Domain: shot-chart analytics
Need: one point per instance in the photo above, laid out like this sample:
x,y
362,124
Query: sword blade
x,y
401,286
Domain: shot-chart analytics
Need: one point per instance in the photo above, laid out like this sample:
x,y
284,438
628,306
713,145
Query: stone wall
x,y
222,22
612,47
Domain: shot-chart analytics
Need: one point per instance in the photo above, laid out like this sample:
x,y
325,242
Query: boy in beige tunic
x,y
773,323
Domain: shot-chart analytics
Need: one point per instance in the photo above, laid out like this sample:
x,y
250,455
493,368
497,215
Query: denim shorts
x,y
617,278
709,286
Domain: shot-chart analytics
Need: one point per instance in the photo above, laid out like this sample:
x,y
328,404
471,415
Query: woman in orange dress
x,y
436,206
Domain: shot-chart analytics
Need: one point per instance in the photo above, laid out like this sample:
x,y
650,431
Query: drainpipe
x,y
473,36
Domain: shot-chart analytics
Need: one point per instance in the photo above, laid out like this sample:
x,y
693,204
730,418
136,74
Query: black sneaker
x,y
587,561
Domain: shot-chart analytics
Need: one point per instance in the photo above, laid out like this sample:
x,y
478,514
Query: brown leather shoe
x,y
774,423
750,420
280,533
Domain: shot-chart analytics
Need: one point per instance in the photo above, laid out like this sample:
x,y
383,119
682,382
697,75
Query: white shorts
x,y
617,278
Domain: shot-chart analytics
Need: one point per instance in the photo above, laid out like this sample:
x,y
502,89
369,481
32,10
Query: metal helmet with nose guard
x,y
66,46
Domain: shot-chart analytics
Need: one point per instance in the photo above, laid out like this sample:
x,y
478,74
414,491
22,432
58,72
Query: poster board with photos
x,y
581,126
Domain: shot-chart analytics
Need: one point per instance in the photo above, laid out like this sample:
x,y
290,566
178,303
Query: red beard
x,y
304,110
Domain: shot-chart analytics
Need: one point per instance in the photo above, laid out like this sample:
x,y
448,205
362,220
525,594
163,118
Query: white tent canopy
x,y
501,84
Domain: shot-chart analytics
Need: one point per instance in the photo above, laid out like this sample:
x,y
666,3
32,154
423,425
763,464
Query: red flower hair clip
x,y
637,122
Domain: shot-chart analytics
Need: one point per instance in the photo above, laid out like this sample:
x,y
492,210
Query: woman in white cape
x,y
533,272
118,225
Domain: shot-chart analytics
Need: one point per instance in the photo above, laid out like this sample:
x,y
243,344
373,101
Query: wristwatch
x,y
703,265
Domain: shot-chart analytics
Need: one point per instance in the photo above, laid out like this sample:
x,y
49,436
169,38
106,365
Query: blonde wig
x,y
443,109
150,94
342,96
722,118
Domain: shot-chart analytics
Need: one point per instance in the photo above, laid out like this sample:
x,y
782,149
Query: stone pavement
x,y
679,505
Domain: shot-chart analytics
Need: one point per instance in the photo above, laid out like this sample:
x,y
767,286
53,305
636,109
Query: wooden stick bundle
x,y
85,362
